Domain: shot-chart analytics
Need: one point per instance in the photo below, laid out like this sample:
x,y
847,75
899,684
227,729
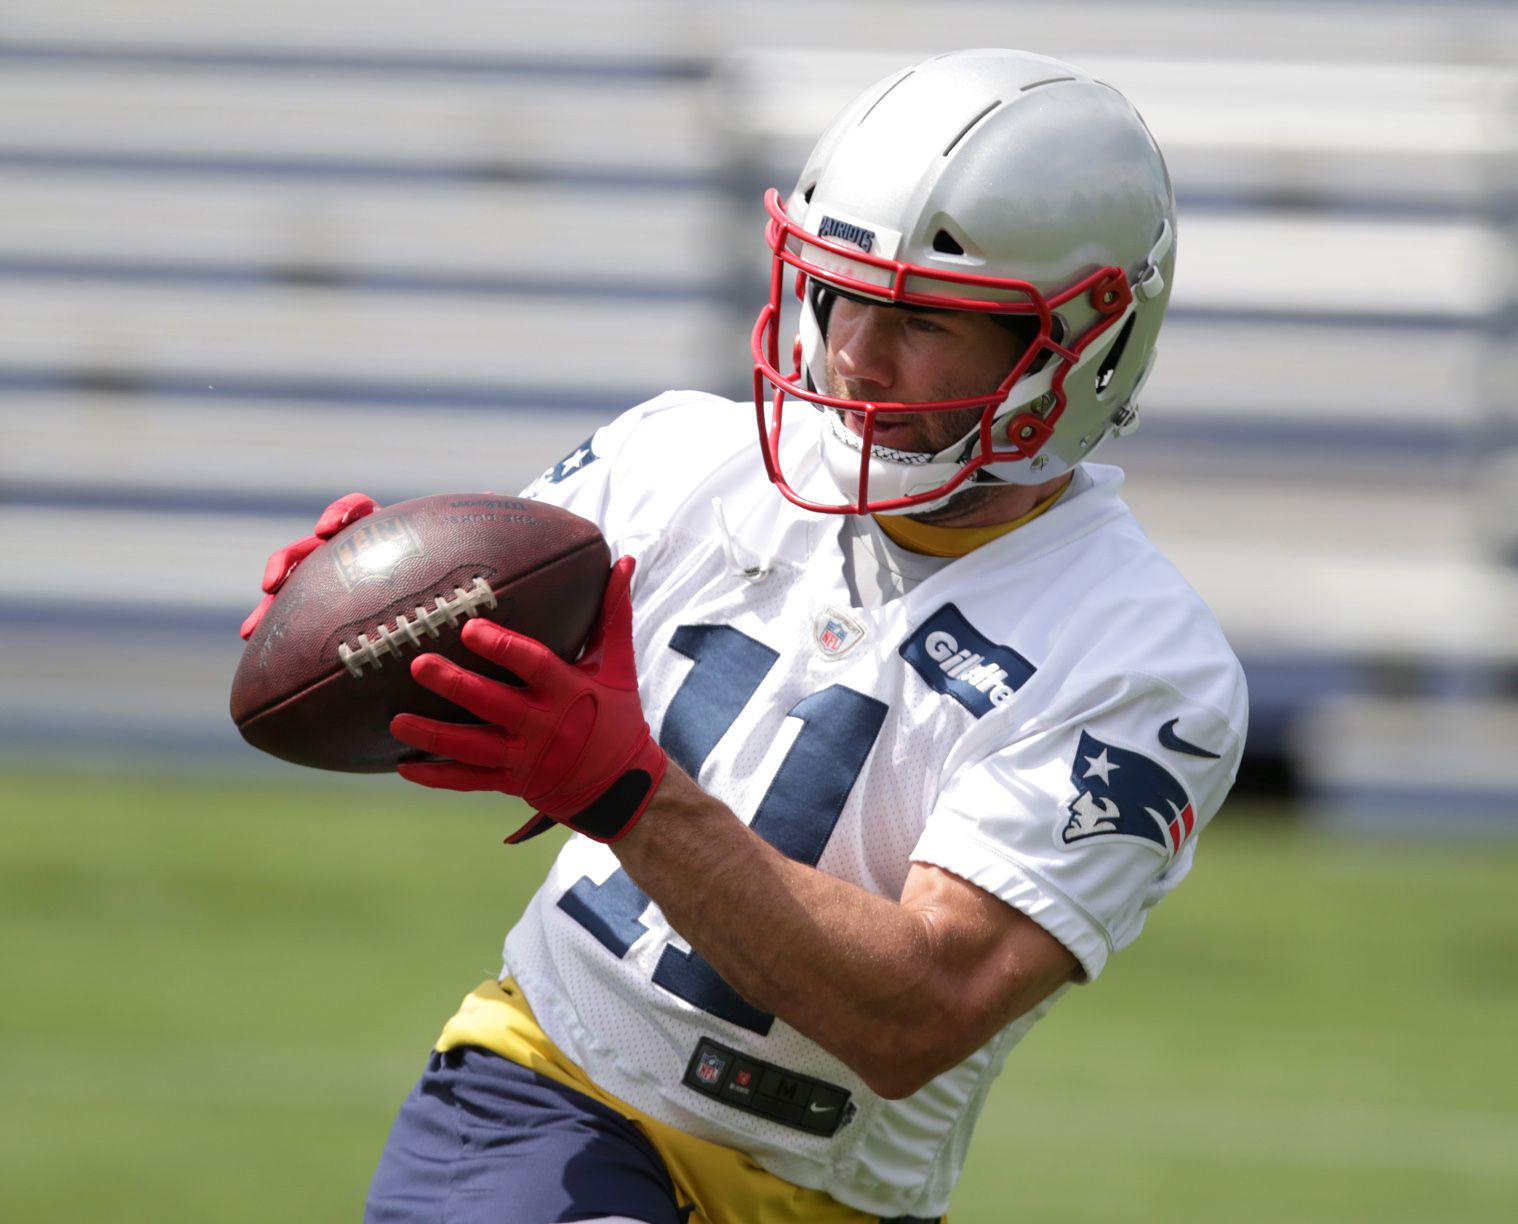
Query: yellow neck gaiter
x,y
955,541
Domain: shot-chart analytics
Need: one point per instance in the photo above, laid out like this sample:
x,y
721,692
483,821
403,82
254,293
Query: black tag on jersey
x,y
772,1092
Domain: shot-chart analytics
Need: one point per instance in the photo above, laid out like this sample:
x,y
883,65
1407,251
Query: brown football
x,y
329,665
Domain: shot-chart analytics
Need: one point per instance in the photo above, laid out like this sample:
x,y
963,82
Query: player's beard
x,y
937,431
966,502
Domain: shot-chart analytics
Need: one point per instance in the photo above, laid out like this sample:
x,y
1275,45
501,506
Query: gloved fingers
x,y
616,602
348,508
524,657
253,617
502,704
282,562
618,667
468,744
614,620
451,775
609,654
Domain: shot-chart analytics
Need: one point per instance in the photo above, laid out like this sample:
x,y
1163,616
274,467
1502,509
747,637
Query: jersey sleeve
x,y
1085,823
623,477
581,481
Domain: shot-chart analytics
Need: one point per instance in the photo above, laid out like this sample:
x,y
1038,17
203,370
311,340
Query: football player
x,y
888,734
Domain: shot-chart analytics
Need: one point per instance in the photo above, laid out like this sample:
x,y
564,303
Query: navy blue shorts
x,y
481,1140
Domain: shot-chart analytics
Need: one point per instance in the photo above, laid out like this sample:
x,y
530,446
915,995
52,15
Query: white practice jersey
x,y
1054,718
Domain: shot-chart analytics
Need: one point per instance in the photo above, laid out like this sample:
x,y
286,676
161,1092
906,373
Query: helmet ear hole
x,y
946,244
1114,356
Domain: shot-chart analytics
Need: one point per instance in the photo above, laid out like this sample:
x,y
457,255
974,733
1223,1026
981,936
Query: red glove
x,y
571,740
282,561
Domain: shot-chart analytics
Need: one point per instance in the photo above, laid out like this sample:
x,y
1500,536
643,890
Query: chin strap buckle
x,y
1152,283
1126,419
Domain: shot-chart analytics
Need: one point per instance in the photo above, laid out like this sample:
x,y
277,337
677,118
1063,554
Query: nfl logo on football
x,y
709,1070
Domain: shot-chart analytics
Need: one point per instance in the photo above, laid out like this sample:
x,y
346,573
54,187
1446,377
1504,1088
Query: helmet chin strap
x,y
893,474
890,474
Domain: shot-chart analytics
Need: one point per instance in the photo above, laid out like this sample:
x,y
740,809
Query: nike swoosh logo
x,y
1169,739
816,1108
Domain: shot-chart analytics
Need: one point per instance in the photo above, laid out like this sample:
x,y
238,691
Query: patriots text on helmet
x,y
847,231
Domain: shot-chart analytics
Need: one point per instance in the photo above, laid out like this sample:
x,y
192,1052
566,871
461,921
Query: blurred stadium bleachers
x,y
252,257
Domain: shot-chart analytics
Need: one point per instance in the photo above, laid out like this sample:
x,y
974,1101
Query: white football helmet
x,y
993,181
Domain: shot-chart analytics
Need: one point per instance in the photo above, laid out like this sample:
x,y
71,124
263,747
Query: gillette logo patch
x,y
956,659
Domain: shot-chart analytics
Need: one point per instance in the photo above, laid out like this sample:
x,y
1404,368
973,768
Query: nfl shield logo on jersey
x,y
1119,793
836,632
709,1069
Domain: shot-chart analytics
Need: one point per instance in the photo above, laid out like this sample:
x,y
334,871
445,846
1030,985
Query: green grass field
x,y
217,991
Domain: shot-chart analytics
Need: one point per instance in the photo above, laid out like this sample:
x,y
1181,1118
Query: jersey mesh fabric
x,y
1114,642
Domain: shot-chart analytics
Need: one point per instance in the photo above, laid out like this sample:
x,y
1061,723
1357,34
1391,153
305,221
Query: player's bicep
x,y
994,961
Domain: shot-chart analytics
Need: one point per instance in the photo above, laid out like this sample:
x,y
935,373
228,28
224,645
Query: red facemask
x,y
846,267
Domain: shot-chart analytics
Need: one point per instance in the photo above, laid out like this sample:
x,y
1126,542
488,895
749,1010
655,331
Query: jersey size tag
x,y
772,1092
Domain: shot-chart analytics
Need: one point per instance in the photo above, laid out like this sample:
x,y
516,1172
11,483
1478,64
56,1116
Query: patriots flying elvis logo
x,y
1119,793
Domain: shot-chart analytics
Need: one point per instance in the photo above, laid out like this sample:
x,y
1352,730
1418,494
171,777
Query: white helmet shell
x,y
995,181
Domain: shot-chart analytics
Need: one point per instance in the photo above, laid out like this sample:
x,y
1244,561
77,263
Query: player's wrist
x,y
608,811
679,820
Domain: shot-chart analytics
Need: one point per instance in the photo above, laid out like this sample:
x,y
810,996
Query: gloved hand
x,y
571,740
282,561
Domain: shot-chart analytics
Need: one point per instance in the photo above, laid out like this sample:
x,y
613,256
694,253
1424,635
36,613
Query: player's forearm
x,y
853,971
